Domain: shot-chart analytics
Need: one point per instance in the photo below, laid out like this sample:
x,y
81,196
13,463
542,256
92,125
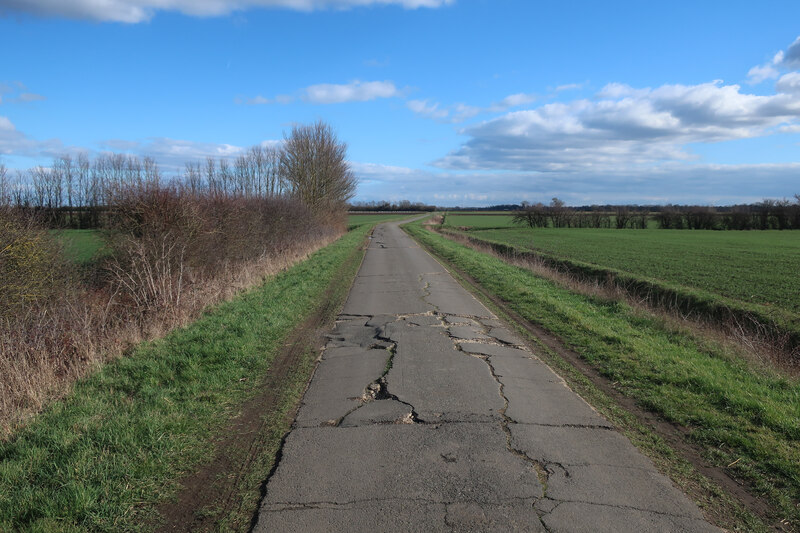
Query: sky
x,y
450,102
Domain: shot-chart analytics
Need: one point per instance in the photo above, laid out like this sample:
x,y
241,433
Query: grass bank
x,y
107,455
743,417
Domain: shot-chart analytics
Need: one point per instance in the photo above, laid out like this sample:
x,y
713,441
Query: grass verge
x,y
775,326
744,419
104,457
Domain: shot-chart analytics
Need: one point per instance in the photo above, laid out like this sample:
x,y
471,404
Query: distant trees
x,y
531,215
384,205
768,214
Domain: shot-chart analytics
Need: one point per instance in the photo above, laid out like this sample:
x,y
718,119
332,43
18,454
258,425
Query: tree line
x,y
77,191
386,206
768,214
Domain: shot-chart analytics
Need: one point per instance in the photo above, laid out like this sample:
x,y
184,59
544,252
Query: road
x,y
427,414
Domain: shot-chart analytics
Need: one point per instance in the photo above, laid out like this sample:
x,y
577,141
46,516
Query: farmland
x,y
744,416
80,245
754,267
479,221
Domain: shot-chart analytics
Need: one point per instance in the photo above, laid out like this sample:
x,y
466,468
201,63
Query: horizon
x,y
445,102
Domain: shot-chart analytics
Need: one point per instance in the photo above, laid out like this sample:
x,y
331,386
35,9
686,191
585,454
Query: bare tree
x,y
560,214
314,164
64,172
5,188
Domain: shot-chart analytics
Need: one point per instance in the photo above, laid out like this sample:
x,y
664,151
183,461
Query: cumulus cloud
x,y
134,11
622,127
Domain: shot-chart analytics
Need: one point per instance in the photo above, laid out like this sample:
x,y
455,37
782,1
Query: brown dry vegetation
x,y
169,260
174,248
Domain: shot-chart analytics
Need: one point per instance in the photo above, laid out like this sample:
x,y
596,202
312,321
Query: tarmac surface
x,y
427,414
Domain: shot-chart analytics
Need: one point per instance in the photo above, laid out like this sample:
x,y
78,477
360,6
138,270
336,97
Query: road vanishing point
x,y
427,414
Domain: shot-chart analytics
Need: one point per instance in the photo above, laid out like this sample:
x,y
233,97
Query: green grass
x,y
80,245
732,409
757,267
479,221
102,458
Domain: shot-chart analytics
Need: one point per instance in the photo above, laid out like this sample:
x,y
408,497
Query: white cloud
x,y
427,109
569,87
513,100
355,91
15,142
133,11
457,113
789,83
760,73
173,154
258,100
623,128
330,93
789,59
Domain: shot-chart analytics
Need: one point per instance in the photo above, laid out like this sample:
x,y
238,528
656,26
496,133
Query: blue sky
x,y
453,102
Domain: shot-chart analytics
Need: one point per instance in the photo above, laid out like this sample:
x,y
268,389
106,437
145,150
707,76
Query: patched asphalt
x,y
427,414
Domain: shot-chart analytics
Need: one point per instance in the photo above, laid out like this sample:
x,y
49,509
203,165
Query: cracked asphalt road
x,y
427,414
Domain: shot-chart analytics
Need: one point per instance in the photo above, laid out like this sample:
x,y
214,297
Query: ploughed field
x,y
756,267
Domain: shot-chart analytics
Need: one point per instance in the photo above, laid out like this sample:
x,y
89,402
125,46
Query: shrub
x,y
31,265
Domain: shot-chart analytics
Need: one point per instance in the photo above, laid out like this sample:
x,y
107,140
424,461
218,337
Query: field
x,y
757,267
479,221
80,245
744,416
104,457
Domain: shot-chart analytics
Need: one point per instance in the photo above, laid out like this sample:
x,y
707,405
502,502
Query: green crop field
x,y
80,245
478,221
757,267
